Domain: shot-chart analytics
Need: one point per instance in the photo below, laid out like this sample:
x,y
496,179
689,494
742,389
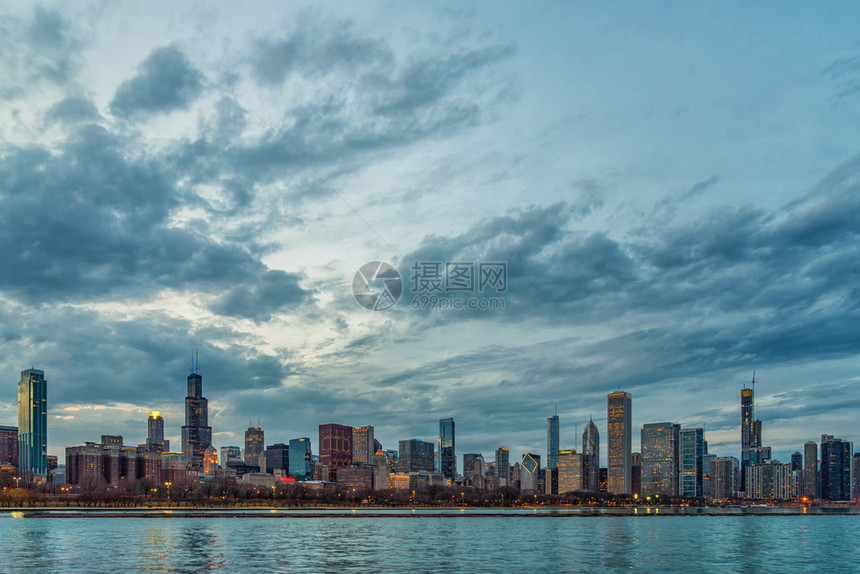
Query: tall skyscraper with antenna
x,y
748,429
196,434
552,441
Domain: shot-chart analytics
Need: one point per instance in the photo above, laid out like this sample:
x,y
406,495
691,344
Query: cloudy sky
x,y
674,189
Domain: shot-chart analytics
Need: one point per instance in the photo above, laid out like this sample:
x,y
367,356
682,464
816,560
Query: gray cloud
x,y
165,81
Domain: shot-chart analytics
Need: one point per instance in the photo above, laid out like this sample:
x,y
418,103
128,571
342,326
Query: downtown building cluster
x,y
673,461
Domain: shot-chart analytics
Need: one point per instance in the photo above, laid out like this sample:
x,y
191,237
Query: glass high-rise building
x,y
447,450
300,458
277,458
619,421
335,444
590,457
724,477
691,464
529,471
196,434
660,459
503,465
362,445
415,456
33,423
552,441
254,445
837,468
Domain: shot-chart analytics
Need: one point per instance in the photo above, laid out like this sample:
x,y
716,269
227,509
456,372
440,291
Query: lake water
x,y
471,543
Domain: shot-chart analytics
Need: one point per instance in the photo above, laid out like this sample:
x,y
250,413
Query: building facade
x,y
335,444
33,423
415,456
837,468
591,457
300,458
660,443
619,420
552,441
363,445
9,447
503,466
691,464
529,472
447,449
196,433
255,439
571,471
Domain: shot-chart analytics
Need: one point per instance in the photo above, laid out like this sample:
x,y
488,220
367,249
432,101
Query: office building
x,y
503,466
415,456
33,423
636,473
473,468
529,472
278,458
590,457
254,445
155,432
810,470
8,447
231,453
335,444
750,431
619,421
724,473
196,434
571,471
363,445
552,441
837,468
447,450
300,458
691,464
660,443
796,461
771,480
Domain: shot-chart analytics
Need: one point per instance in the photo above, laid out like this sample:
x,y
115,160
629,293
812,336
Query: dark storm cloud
x,y
165,81
91,221
36,52
72,110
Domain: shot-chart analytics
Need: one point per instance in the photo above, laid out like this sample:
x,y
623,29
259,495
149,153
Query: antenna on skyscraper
x,y
753,383
258,422
556,408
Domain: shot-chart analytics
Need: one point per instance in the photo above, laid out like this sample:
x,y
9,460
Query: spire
x,y
753,382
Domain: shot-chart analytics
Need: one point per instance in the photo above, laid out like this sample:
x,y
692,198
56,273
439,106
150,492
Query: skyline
x,y
674,194
446,429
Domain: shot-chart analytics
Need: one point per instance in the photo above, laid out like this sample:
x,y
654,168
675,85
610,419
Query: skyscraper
x,y
552,441
155,432
810,470
748,430
570,471
590,457
9,447
529,471
33,423
196,434
300,458
415,456
254,441
335,444
362,445
660,459
691,471
470,463
503,466
837,468
619,417
277,458
447,451
724,472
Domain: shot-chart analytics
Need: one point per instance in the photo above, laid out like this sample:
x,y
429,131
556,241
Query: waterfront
x,y
432,543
